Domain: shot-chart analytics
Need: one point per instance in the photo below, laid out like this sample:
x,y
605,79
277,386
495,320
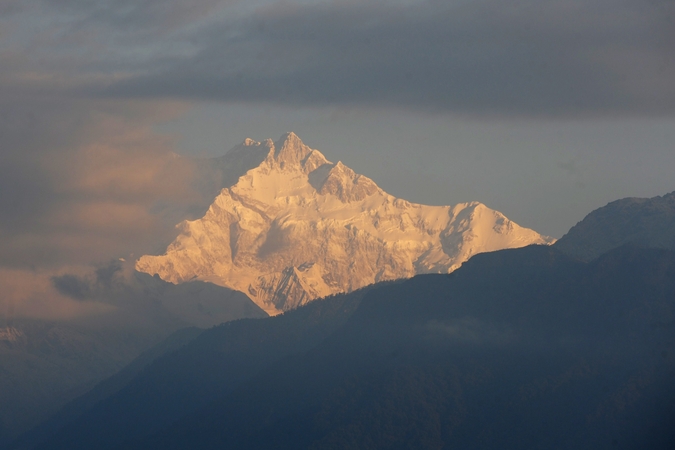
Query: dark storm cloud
x,y
72,286
84,287
553,58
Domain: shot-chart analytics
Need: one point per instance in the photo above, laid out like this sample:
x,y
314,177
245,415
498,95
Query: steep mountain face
x,y
647,222
294,226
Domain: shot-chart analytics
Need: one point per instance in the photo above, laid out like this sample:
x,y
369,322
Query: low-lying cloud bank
x,y
32,295
82,181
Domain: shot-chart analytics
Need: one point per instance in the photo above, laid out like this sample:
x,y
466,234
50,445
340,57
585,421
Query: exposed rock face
x,y
295,227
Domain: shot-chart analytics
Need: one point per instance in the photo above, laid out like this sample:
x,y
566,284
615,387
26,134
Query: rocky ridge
x,y
293,226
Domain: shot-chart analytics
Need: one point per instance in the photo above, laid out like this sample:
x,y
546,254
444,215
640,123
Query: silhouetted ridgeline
x,y
645,222
212,365
524,348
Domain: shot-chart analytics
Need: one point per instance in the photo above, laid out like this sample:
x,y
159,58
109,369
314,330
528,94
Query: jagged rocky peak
x,y
342,182
236,162
287,154
247,146
250,150
290,153
293,226
290,149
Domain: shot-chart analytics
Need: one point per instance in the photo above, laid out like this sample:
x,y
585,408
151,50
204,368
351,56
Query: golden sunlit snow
x,y
298,227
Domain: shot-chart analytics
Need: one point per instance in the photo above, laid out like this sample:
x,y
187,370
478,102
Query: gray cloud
x,y
8,7
72,286
28,294
137,15
84,180
104,279
527,57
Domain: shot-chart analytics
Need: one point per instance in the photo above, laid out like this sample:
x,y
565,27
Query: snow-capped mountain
x,y
292,226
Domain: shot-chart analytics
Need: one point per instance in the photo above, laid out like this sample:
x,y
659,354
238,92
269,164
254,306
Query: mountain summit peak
x,y
291,138
291,226
290,149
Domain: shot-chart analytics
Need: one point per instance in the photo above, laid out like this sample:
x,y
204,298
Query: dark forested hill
x,y
524,348
646,222
210,366
45,364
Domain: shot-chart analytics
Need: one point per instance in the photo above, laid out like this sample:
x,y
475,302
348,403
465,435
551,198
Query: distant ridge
x,y
644,222
290,226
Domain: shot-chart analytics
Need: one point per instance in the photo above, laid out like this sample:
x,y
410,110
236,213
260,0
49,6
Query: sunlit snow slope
x,y
295,227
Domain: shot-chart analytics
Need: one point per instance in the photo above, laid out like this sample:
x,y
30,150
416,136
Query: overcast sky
x,y
542,109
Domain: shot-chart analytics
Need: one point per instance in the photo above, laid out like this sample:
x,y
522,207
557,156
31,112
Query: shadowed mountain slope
x,y
646,222
519,349
210,366
524,348
45,364
106,388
